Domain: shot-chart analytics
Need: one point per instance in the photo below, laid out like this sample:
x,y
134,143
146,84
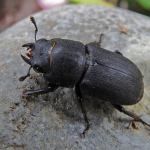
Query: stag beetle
x,y
100,73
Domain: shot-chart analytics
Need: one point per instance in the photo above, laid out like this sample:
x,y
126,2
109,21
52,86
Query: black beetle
x,y
100,73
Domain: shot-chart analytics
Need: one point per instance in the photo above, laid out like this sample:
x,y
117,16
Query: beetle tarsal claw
x,y
85,131
134,124
82,135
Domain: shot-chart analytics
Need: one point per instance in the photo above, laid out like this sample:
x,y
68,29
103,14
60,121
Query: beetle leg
x,y
80,100
136,118
134,124
51,88
116,51
98,43
100,39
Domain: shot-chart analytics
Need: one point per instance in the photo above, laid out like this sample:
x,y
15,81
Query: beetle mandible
x,y
100,73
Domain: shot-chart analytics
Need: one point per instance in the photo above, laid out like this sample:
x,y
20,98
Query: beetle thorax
x,y
67,63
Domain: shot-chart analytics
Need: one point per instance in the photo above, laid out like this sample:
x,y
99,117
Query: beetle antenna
x,y
34,22
22,78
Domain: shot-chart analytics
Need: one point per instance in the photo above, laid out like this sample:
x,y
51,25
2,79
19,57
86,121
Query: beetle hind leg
x,y
136,118
80,100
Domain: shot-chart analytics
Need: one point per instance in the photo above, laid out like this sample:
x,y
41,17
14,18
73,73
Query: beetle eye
x,y
38,69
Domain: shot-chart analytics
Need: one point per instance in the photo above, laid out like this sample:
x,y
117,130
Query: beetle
x,y
100,73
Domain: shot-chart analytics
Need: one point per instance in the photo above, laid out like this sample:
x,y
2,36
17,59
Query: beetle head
x,y
38,55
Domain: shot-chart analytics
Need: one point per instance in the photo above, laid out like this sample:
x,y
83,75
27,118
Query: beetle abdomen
x,y
112,77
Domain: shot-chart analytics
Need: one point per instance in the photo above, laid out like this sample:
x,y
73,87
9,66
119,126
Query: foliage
x,y
144,3
97,2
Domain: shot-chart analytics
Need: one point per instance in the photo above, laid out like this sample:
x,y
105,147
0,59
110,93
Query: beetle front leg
x,y
80,100
136,118
51,88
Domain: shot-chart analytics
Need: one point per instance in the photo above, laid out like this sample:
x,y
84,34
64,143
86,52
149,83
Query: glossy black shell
x,y
108,76
68,61
112,77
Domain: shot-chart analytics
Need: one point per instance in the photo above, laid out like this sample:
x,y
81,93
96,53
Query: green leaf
x,y
144,3
97,2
